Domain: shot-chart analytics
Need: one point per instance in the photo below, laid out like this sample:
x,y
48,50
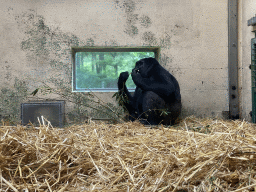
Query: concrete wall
x,y
36,37
247,10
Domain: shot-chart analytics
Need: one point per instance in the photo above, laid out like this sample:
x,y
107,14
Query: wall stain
x,y
165,42
48,58
90,42
132,30
45,46
129,7
48,53
165,60
111,43
145,21
10,100
149,38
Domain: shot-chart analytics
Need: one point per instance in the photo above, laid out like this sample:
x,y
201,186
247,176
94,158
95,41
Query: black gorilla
x,y
157,96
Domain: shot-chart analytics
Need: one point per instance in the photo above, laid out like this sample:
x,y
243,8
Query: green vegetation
x,y
101,69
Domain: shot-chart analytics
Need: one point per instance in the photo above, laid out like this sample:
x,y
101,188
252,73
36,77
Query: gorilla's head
x,y
145,66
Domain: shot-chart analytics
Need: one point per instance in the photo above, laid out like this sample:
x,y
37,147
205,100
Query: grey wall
x,y
36,37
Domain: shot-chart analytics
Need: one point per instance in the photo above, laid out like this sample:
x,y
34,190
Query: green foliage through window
x,y
100,70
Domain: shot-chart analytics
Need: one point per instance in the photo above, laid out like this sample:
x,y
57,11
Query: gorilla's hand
x,y
123,76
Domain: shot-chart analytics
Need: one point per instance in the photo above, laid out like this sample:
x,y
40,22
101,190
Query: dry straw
x,y
195,155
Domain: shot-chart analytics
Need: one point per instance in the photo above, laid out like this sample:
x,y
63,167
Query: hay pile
x,y
196,155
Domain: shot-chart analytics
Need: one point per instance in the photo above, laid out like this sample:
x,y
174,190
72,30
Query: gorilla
x,y
157,96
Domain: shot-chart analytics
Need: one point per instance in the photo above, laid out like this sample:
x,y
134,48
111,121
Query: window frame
x,y
74,50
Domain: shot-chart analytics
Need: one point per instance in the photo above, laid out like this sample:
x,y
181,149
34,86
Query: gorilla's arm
x,y
121,84
124,91
163,85
163,90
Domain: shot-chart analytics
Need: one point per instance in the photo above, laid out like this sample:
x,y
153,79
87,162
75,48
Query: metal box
x,y
53,111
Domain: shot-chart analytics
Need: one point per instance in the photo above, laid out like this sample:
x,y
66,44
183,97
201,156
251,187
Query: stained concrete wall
x,y
36,37
247,10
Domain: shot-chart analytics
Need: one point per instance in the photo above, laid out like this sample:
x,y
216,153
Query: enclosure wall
x,y
36,39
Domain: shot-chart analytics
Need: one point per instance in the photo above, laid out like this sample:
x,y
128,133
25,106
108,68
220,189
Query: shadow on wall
x,y
10,100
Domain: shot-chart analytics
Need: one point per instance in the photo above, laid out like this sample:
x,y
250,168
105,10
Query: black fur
x,y
157,96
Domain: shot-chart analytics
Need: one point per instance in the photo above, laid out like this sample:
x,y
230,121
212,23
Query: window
x,y
98,69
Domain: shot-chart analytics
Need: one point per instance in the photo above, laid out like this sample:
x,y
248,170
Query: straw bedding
x,y
195,155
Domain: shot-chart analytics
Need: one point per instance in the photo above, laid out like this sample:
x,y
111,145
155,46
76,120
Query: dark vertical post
x,y
73,69
233,59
